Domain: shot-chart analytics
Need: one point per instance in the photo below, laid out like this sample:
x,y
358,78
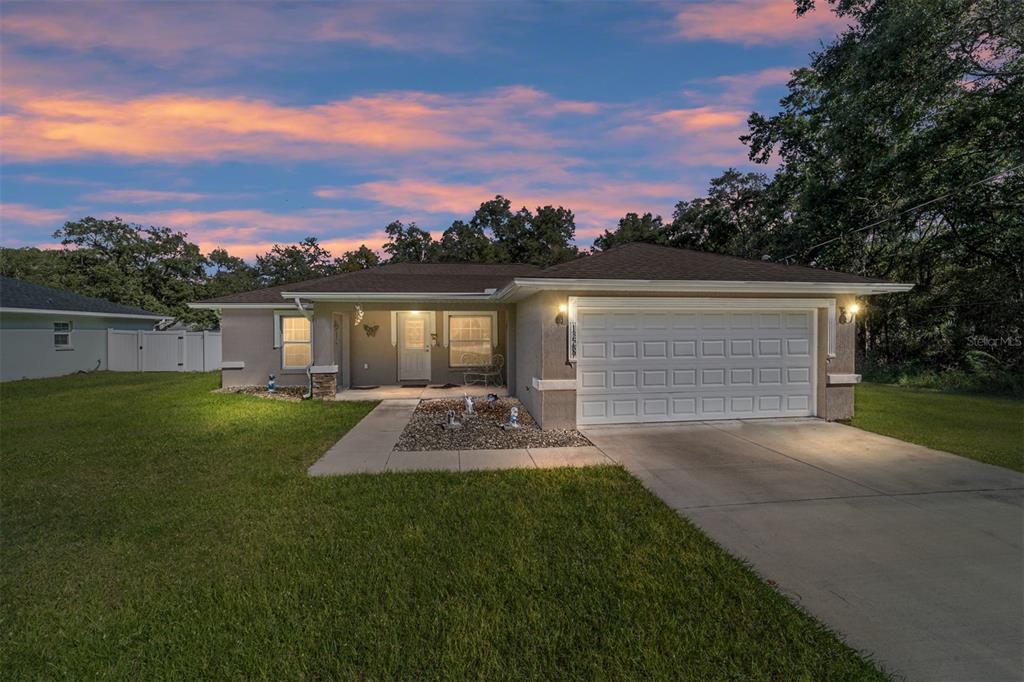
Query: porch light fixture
x,y
848,314
560,318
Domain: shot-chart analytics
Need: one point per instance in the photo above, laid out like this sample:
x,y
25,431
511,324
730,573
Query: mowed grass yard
x,y
155,529
987,429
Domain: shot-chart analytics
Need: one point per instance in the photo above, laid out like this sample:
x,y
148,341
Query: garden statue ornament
x,y
451,422
513,420
272,384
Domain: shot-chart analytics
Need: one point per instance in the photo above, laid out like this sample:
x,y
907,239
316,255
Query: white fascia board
x,y
241,306
633,302
525,286
356,297
80,313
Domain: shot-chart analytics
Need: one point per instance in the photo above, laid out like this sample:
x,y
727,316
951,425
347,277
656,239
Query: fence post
x,y
110,336
206,342
141,338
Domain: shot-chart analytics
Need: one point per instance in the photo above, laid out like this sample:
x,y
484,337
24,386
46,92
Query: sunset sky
x,y
250,124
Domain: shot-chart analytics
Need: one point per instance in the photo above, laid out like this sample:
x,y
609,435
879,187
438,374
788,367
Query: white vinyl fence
x,y
172,351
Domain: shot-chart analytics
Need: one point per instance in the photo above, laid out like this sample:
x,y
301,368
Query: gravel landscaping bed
x,y
282,393
425,430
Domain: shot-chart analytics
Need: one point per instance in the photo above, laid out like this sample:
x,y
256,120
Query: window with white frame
x,y
469,339
62,335
296,342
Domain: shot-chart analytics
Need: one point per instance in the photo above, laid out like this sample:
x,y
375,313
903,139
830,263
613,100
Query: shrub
x,y
980,373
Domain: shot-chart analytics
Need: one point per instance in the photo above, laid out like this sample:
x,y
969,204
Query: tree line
x,y
898,153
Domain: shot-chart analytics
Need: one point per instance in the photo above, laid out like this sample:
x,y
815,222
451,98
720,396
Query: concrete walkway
x,y
912,554
368,448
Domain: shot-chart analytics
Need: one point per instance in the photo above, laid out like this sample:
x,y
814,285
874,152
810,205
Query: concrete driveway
x,y
914,555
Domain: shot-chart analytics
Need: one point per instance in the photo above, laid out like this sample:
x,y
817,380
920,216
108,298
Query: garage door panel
x,y
741,348
684,321
741,321
684,349
624,350
654,350
713,321
648,366
712,348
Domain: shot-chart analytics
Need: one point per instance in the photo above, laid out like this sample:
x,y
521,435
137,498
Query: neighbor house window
x,y
469,340
296,343
62,335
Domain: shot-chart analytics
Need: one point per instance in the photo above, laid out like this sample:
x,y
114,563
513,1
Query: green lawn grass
x,y
155,529
987,429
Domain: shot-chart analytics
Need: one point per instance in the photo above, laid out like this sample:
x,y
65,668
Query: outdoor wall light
x,y
847,315
560,319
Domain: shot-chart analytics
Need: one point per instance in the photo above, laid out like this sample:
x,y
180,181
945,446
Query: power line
x,y
990,178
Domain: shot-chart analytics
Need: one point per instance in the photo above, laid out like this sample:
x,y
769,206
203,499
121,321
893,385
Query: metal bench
x,y
483,369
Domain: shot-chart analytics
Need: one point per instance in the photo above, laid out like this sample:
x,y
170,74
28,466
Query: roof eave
x,y
349,296
214,305
520,287
84,313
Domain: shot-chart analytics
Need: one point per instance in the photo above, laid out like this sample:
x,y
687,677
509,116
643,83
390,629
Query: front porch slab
x,y
419,393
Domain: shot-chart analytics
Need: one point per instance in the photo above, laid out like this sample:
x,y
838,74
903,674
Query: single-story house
x,y
638,333
47,332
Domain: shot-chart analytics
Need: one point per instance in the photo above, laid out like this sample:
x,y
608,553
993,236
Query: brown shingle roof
x,y
439,278
649,261
635,261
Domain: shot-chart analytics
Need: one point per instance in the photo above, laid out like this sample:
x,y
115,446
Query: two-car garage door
x,y
666,363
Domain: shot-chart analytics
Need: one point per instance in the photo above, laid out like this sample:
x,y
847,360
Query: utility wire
x,y
990,178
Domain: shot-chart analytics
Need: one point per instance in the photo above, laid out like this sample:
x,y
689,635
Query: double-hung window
x,y
470,338
296,342
62,335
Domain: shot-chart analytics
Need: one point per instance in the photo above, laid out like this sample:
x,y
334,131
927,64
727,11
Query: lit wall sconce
x,y
847,315
560,318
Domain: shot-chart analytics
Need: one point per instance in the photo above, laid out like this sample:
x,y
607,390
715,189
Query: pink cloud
x,y
740,88
700,119
32,215
142,196
169,33
752,22
184,127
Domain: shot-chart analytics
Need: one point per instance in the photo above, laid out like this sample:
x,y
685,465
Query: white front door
x,y
413,347
663,364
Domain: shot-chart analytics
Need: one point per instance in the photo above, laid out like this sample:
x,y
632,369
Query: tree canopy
x,y
900,152
160,270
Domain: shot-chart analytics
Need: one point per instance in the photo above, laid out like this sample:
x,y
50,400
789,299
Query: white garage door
x,y
658,364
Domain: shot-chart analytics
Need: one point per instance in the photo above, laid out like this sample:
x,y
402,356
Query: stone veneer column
x,y
325,385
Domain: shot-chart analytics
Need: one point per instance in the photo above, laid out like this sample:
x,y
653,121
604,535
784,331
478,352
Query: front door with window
x,y
413,347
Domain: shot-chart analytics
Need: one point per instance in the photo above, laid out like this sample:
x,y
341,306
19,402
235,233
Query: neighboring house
x,y
638,333
46,332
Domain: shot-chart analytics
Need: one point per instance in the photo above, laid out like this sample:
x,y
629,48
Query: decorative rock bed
x,y
282,393
425,431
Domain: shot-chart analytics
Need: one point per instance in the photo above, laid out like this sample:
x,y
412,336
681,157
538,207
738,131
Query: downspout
x,y
309,375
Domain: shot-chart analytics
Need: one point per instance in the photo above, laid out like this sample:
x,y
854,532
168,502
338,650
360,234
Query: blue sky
x,y
255,123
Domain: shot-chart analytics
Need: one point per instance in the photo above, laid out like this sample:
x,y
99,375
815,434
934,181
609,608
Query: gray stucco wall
x,y
27,351
541,353
839,399
248,336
